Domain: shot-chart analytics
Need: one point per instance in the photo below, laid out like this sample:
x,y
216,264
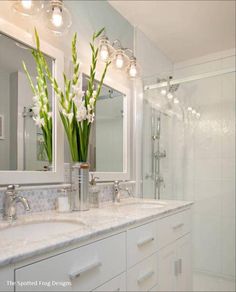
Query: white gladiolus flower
x,y
36,110
66,104
70,96
35,98
81,113
75,88
38,121
94,93
45,100
92,101
90,118
70,116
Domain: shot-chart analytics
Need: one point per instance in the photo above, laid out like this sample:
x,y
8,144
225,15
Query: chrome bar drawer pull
x,y
180,266
176,268
145,277
145,241
178,226
75,274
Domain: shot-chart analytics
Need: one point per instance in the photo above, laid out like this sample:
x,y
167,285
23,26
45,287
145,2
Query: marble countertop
x,y
92,223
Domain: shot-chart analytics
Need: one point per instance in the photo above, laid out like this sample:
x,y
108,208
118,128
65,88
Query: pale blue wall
x,y
89,16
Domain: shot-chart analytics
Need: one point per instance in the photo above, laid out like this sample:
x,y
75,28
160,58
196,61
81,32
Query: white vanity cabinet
x,y
175,253
84,268
161,254
150,256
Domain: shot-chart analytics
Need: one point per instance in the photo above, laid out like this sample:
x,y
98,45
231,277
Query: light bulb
x,y
57,17
169,95
132,70
176,101
104,54
26,4
119,61
194,112
189,108
163,91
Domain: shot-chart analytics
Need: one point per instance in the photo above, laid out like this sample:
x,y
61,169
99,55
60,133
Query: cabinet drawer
x,y
141,242
143,276
81,269
173,227
116,284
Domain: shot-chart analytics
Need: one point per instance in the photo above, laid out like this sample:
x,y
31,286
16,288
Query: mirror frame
x,y
38,177
112,82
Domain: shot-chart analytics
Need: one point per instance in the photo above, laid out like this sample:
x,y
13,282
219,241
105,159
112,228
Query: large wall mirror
x,y
22,139
109,140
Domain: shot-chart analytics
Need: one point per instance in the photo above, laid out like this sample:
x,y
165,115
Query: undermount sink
x,y
39,230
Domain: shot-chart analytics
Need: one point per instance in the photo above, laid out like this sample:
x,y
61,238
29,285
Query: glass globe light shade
x,y
104,53
27,7
57,16
119,61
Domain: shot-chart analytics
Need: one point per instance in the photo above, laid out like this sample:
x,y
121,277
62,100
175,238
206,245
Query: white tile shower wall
x,y
210,167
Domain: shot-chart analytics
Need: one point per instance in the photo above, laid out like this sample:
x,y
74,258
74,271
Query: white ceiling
x,y
183,29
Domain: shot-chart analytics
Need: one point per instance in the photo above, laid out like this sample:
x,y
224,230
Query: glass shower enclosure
x,y
189,154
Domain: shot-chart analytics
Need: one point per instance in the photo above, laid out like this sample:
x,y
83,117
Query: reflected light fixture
x,y
133,67
119,60
169,95
27,7
194,111
198,115
190,109
58,18
163,91
176,101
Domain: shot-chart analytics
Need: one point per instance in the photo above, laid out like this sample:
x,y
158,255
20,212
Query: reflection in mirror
x,y
106,140
22,142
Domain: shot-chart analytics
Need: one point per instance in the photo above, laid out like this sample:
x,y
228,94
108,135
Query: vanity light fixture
x,y
123,58
57,16
194,112
190,109
198,115
27,7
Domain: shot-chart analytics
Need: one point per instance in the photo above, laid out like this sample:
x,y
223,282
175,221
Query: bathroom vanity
x,y
136,245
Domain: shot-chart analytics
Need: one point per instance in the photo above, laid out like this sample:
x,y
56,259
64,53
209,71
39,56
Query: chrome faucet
x,y
9,203
117,189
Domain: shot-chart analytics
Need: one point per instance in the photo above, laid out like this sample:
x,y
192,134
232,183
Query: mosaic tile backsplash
x,y
46,199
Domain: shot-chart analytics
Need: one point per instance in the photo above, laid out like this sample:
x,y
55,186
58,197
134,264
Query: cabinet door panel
x,y
167,268
184,259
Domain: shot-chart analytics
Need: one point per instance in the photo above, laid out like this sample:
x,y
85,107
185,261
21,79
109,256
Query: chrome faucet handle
x,y
12,187
11,190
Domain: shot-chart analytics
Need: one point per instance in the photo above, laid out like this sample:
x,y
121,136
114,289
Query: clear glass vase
x,y
80,186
